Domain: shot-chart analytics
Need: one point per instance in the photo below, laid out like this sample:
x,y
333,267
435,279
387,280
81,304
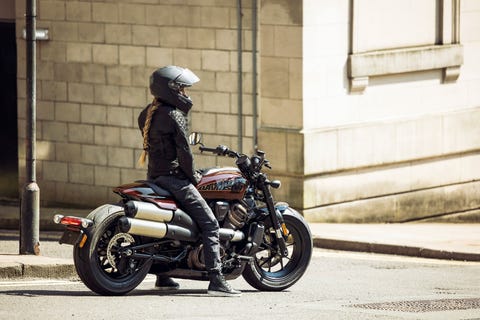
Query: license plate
x,y
71,237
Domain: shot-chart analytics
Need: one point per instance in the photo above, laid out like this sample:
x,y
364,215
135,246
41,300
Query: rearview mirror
x,y
195,138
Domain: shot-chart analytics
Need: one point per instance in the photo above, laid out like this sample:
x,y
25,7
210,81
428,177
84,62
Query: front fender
x,y
286,210
279,207
283,209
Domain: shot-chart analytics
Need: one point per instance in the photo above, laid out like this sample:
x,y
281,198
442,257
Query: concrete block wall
x,y
403,149
281,96
92,82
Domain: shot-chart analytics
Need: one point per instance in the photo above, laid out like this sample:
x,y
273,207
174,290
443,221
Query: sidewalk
x,y
449,241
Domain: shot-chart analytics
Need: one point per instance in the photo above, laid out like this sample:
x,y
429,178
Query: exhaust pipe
x,y
231,235
149,211
157,230
161,230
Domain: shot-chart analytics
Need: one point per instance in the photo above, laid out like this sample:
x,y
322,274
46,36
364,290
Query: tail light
x,y
72,221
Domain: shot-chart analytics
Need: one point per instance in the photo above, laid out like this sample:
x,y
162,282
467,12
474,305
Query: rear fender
x,y
102,212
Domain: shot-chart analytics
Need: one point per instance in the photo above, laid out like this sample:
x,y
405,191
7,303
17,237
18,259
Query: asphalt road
x,y
337,285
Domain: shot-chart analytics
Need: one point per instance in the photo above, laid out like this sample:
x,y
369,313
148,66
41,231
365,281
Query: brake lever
x,y
267,164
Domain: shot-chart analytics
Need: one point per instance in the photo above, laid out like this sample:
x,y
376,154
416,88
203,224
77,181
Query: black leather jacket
x,y
169,152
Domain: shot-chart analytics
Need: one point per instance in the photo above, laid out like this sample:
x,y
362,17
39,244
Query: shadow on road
x,y
201,293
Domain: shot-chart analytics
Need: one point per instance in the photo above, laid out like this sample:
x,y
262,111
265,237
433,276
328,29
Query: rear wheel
x,y
270,271
100,264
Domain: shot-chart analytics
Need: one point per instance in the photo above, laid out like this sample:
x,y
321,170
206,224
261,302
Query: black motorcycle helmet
x,y
167,84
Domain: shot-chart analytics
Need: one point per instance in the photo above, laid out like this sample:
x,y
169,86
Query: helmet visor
x,y
187,78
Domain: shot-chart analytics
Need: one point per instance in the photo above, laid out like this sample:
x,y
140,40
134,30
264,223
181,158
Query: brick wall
x,y
92,83
281,77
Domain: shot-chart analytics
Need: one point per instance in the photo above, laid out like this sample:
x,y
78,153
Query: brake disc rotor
x,y
118,241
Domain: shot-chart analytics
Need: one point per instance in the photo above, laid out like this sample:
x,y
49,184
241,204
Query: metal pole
x,y
239,78
254,73
30,206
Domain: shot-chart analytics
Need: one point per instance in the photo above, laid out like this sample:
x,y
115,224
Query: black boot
x,y
219,287
166,283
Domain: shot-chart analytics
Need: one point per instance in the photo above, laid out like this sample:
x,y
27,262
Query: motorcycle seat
x,y
157,189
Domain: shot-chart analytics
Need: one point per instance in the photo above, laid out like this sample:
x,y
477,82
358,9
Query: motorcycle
x,y
117,245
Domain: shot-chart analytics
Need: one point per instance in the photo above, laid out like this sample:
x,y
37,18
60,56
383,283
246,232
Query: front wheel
x,y
100,264
269,271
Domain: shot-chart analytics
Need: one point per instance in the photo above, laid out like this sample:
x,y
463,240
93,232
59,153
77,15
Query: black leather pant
x,y
193,203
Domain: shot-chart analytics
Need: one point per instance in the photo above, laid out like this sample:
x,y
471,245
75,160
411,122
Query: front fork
x,y
277,221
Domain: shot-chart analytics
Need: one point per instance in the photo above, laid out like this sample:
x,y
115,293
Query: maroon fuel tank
x,y
223,183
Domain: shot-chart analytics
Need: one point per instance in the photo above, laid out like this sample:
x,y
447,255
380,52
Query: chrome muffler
x,y
146,219
151,212
155,229
147,211
161,230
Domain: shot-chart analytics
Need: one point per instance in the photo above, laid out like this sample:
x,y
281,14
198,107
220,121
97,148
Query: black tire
x,y
269,271
94,266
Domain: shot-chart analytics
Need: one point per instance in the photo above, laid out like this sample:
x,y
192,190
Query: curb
x,y
401,250
20,267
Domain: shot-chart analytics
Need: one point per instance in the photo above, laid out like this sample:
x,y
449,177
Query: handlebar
x,y
220,151
212,150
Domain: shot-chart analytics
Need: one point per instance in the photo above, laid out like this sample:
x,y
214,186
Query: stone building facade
x,y
367,109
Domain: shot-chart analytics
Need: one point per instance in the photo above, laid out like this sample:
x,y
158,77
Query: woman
x,y
170,164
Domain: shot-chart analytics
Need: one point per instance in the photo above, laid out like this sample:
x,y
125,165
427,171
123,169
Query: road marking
x,y
38,282
52,282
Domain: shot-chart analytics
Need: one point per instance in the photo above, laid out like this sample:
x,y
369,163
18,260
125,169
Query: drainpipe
x,y
30,205
254,73
239,75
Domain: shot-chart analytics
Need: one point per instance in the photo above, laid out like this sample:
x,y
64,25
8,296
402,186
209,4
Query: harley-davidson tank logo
x,y
233,185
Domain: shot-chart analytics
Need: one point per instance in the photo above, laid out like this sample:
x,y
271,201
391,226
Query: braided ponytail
x,y
146,129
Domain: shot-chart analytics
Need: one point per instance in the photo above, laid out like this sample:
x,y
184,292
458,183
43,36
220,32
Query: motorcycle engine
x,y
196,258
233,216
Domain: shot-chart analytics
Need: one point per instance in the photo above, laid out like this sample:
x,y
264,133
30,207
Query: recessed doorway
x,y
8,111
